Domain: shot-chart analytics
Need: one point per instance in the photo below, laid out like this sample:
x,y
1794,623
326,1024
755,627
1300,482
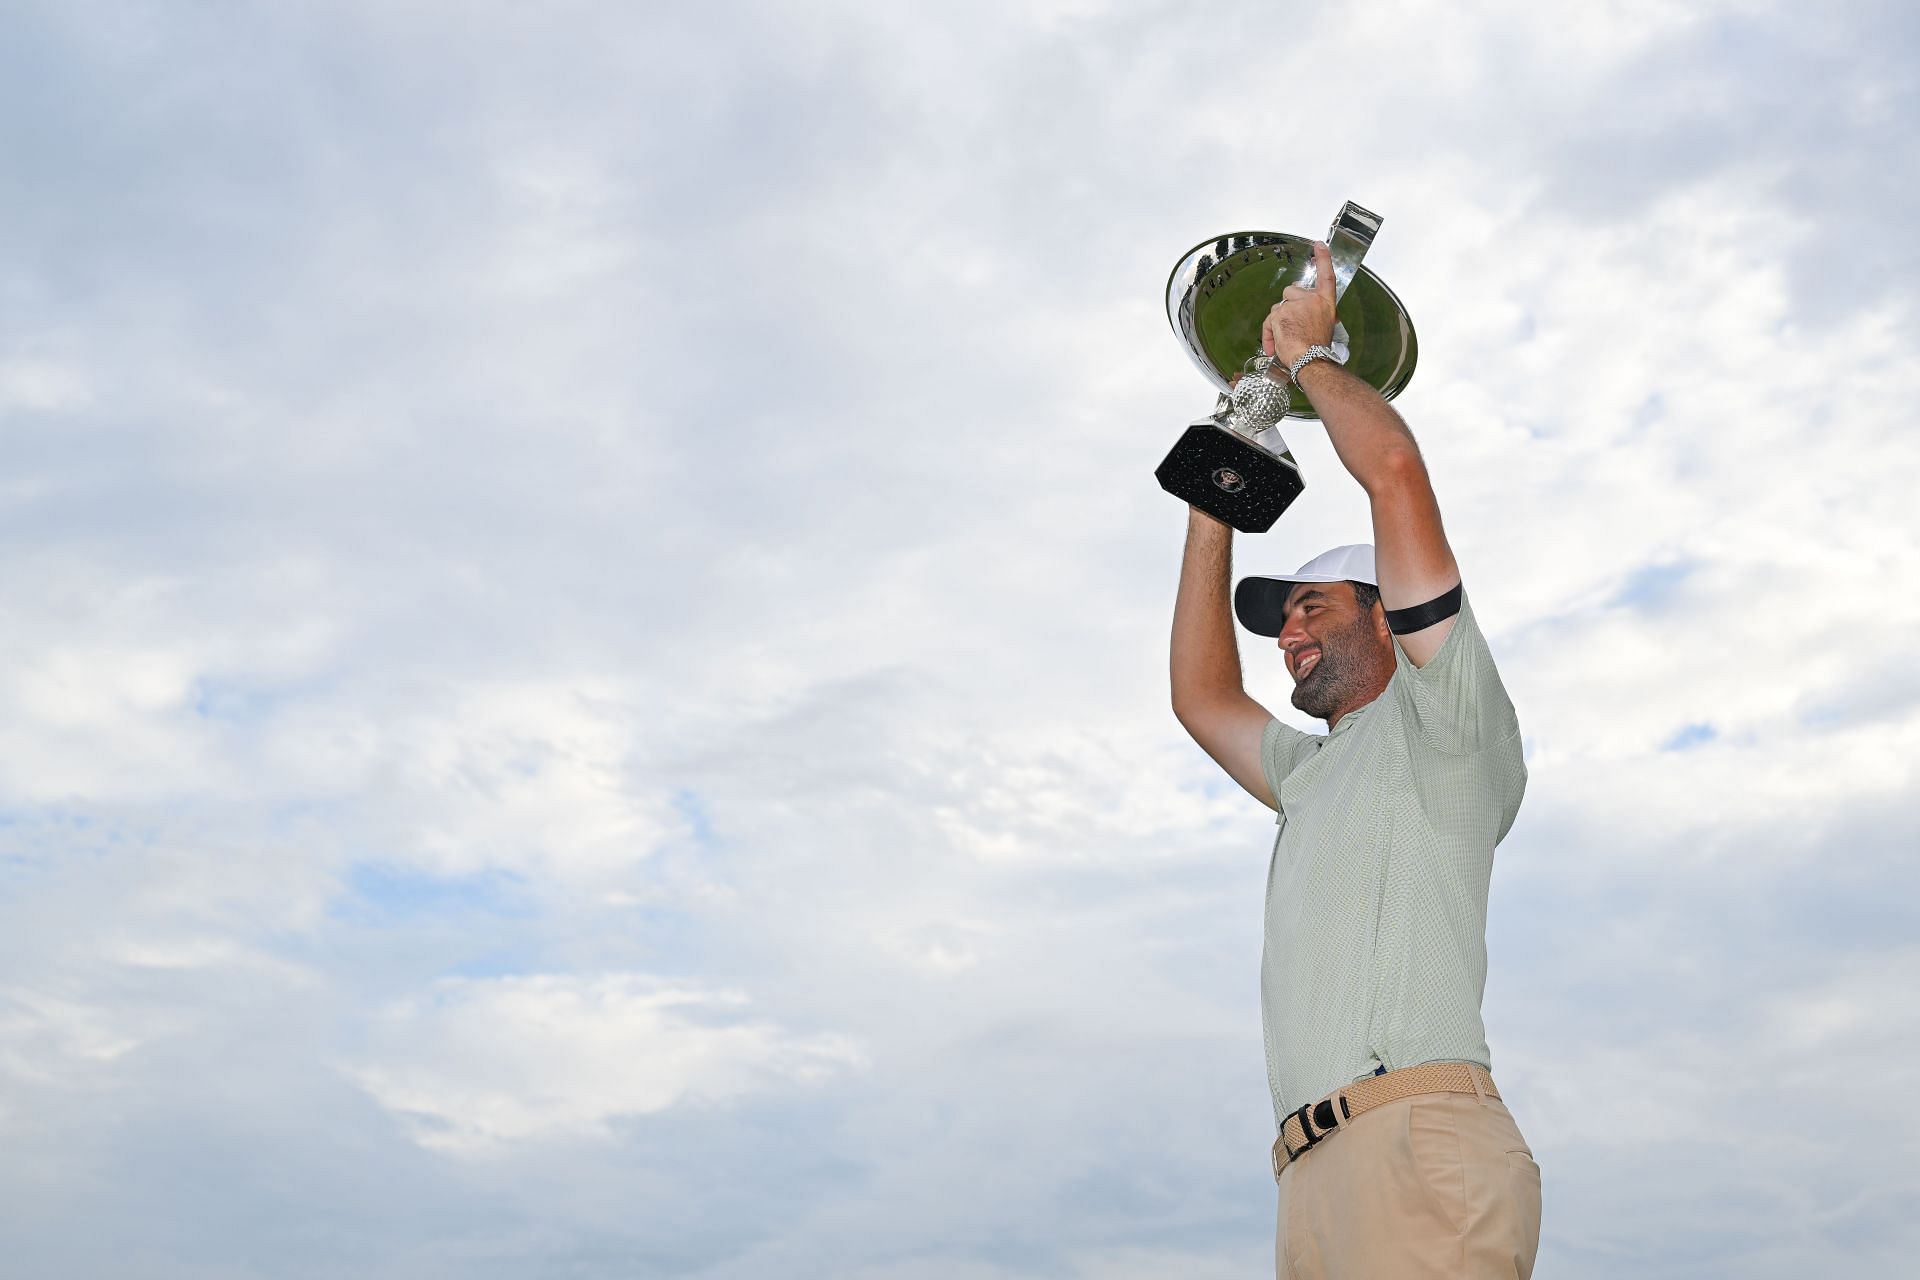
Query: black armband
x,y
1421,616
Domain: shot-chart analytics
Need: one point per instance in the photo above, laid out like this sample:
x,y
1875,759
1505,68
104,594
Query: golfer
x,y
1396,1156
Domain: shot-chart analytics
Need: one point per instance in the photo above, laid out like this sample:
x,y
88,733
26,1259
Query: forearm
x,y
1205,657
1413,560
1371,439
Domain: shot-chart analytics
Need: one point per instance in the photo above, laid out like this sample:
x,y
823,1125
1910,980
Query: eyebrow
x,y
1311,593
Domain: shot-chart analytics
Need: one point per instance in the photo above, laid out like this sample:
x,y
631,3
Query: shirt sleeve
x,y
1281,748
1457,699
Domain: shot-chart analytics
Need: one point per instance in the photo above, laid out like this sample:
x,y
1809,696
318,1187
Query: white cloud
x,y
39,385
481,1063
47,1036
530,776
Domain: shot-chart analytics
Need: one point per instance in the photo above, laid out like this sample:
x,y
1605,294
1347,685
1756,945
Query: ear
x,y
1380,627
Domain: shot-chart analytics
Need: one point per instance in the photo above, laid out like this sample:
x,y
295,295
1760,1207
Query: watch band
x,y
1318,351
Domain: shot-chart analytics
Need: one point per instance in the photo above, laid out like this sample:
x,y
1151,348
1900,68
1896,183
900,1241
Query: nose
x,y
1292,634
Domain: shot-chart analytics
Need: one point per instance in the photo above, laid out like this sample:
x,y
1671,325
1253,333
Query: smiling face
x,y
1339,654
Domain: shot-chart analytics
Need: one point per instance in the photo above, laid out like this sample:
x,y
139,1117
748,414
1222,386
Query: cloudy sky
x,y
585,613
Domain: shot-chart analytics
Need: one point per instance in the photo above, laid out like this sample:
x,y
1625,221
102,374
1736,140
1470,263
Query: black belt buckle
x,y
1323,1110
1306,1131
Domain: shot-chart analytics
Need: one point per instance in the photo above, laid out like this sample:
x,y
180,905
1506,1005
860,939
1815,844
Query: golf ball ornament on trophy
x,y
1233,464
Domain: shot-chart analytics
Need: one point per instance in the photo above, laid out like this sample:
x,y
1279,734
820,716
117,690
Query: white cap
x,y
1261,601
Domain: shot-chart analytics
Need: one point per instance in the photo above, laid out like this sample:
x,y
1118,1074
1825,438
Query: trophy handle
x,y
1348,240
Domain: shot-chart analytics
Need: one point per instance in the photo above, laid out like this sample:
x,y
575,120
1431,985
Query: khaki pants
x,y
1438,1185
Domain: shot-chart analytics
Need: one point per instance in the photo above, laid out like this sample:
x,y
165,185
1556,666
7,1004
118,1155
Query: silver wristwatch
x,y
1319,351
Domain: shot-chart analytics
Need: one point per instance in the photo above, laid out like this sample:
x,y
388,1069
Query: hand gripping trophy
x,y
1233,464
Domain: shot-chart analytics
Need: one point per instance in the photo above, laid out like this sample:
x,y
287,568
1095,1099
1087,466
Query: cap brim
x,y
1260,602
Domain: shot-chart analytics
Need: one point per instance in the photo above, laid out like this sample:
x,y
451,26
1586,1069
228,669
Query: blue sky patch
x,y
1653,585
390,892
1691,736
688,805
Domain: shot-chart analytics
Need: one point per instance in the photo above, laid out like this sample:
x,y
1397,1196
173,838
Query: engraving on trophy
x,y
1228,480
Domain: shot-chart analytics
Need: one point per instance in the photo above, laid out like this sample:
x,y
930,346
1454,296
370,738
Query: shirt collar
x,y
1347,720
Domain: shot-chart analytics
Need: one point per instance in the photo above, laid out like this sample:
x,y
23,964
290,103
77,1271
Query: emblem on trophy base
x,y
1233,464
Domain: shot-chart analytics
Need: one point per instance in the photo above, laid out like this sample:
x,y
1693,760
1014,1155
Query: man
x,y
1396,1157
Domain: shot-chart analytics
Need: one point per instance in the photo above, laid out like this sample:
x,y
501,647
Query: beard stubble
x,y
1341,674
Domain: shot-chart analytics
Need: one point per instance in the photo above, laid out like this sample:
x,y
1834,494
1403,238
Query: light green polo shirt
x,y
1376,917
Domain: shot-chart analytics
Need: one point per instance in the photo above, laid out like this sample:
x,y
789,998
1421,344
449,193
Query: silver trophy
x,y
1233,463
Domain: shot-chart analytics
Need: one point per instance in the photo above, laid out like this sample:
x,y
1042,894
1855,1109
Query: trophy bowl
x,y
1219,294
1234,464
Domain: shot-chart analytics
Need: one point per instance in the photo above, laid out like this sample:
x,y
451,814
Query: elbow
x,y
1186,707
1400,470
1195,708
1191,719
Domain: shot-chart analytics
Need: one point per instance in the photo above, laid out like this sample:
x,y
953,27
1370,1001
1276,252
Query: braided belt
x,y
1313,1123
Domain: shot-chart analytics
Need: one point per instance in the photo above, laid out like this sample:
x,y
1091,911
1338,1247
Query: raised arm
x,y
1208,696
1411,554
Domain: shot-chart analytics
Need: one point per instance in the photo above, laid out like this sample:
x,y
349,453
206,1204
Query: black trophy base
x,y
1229,477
